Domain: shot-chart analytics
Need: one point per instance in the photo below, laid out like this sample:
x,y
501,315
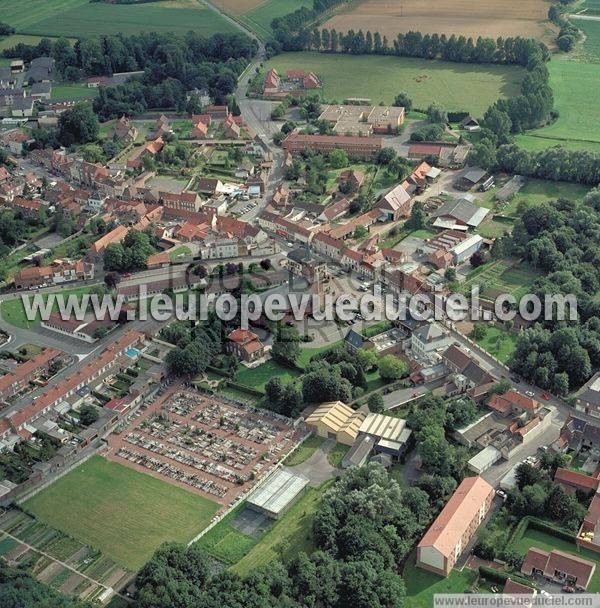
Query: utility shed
x,y
277,494
483,460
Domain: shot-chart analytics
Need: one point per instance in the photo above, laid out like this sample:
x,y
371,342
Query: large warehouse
x,y
277,494
335,420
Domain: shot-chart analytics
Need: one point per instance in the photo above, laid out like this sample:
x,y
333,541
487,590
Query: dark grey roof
x,y
6,74
461,209
40,88
46,63
474,175
22,103
300,255
476,374
469,120
354,339
359,452
429,332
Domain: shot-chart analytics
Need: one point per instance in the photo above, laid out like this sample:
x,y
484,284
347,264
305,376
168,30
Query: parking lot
x,y
208,445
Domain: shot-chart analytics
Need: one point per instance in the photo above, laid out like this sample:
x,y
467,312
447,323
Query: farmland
x,y
590,49
467,17
465,87
64,17
123,513
577,98
259,19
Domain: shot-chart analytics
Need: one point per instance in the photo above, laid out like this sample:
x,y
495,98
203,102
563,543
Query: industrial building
x,y
278,493
336,420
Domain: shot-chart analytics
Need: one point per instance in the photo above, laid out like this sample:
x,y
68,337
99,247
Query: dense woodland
x,y
561,239
172,66
363,531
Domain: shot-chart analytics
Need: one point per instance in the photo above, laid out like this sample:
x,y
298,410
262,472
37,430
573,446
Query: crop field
x,y
473,18
471,88
123,513
589,51
65,17
577,98
260,16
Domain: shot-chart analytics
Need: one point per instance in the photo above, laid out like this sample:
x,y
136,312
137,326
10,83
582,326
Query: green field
x,y
13,312
67,92
259,19
577,98
307,353
471,88
498,342
422,585
259,376
537,191
288,536
123,513
590,49
66,17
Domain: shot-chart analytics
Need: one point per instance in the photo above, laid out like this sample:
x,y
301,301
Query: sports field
x,y
577,98
471,88
123,513
65,17
473,18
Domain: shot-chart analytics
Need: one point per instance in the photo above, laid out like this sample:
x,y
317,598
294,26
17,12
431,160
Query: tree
x,y
88,414
402,100
338,159
478,259
78,125
478,332
112,279
391,368
266,264
526,475
274,389
375,403
437,114
286,347
418,217
386,156
366,358
450,274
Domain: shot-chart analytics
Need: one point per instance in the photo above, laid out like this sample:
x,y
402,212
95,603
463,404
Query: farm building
x,y
335,420
277,494
455,526
466,248
460,214
471,178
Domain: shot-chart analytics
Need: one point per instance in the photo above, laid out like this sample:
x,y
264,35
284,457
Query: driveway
x,y
317,468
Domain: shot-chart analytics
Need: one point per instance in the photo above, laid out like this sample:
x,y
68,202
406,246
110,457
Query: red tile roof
x,y
576,479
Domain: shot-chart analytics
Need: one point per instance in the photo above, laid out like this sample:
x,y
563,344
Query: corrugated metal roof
x,y
382,426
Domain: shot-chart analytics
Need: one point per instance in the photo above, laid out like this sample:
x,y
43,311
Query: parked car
x,y
515,379
568,589
545,396
530,393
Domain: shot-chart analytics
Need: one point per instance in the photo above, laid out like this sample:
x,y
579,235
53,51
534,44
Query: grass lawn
x,y
226,543
13,311
304,451
589,51
179,252
422,585
542,540
537,191
464,87
63,17
307,353
498,342
337,453
288,536
259,376
577,98
123,513
259,19
495,227
7,42
66,92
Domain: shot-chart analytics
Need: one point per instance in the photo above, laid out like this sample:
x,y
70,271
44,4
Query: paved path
x,y
317,468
